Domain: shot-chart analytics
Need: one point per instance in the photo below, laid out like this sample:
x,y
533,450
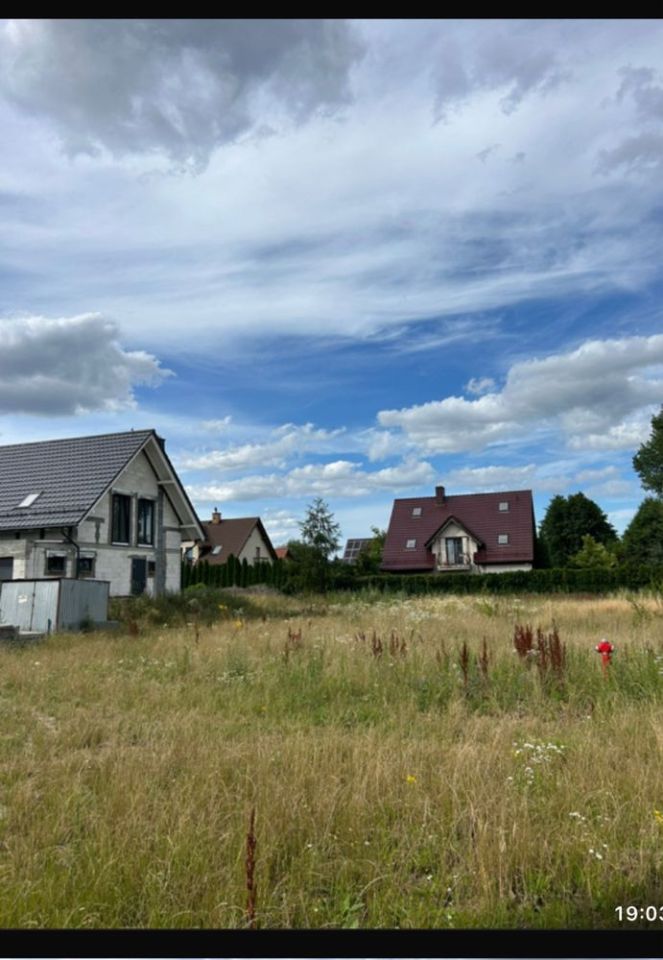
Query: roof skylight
x,y
30,499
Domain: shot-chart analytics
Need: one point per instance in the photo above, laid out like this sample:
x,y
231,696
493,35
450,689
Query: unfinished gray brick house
x,y
110,507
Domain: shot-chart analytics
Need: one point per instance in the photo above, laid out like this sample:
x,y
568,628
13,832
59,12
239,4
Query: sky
x,y
337,259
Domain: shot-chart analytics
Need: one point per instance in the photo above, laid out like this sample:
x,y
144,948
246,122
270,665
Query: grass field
x,y
402,772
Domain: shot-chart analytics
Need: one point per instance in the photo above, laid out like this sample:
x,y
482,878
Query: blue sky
x,y
344,259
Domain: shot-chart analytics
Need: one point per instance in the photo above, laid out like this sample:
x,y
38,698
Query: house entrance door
x,y
138,575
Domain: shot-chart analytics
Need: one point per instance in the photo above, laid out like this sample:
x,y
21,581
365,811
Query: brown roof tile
x,y
478,512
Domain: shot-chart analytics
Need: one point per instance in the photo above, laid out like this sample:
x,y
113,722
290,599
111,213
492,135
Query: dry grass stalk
x,y
293,642
397,645
523,640
376,645
464,660
482,659
250,872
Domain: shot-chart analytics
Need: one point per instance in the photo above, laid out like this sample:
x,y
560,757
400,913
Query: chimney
x,y
440,496
216,516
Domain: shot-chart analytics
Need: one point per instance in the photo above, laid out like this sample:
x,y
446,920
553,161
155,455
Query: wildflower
x,y
658,817
238,624
410,779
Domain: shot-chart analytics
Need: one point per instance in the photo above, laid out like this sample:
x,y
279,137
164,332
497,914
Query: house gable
x,y
241,537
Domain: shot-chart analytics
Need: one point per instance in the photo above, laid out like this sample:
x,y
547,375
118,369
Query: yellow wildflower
x,y
410,779
658,817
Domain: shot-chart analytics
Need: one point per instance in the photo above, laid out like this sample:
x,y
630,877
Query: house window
x,y
504,506
416,511
216,551
503,538
151,568
86,566
56,564
30,499
146,522
121,518
257,556
410,544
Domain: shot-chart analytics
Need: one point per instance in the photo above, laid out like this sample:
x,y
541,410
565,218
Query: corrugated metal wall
x,y
37,605
82,600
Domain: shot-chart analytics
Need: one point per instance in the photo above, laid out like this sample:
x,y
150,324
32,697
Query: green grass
x,y
388,792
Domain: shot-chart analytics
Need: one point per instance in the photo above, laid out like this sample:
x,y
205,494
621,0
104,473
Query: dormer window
x,y
410,544
416,511
216,551
30,499
502,538
504,506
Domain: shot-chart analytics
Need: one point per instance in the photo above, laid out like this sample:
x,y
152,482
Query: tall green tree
x,y
567,521
648,461
643,538
309,567
319,529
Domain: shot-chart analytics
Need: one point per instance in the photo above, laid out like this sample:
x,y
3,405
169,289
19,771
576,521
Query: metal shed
x,y
53,604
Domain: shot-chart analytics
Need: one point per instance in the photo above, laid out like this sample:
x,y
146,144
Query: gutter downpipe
x,y
76,548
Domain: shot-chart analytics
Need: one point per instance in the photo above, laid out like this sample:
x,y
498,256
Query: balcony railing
x,y
462,561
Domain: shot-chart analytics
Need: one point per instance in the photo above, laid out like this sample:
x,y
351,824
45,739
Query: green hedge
x,y
563,580
232,573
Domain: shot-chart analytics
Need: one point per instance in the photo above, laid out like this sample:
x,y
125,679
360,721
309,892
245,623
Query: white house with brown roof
x,y
108,507
475,533
242,537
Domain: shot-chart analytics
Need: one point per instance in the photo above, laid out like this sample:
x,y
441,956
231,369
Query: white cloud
x,y
339,478
178,86
515,60
281,526
586,394
216,426
290,440
69,365
479,385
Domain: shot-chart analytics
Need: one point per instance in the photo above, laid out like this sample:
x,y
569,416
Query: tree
x,y
648,461
643,538
567,521
593,555
370,557
320,530
309,558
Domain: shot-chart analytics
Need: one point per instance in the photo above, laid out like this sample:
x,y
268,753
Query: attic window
x,y
30,499
216,551
410,544
504,506
416,511
502,537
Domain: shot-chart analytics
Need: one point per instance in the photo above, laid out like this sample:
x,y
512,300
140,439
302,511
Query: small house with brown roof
x,y
472,533
242,537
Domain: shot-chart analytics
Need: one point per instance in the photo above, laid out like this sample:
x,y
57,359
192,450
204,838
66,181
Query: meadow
x,y
404,764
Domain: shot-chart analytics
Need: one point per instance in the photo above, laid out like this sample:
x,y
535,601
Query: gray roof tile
x,y
70,475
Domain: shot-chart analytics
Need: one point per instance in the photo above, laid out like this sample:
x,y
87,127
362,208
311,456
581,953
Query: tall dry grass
x,y
442,782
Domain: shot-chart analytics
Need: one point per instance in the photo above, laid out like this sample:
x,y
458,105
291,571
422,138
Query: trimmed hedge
x,y
558,580
233,573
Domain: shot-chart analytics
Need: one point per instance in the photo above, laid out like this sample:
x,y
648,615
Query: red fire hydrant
x,y
606,649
